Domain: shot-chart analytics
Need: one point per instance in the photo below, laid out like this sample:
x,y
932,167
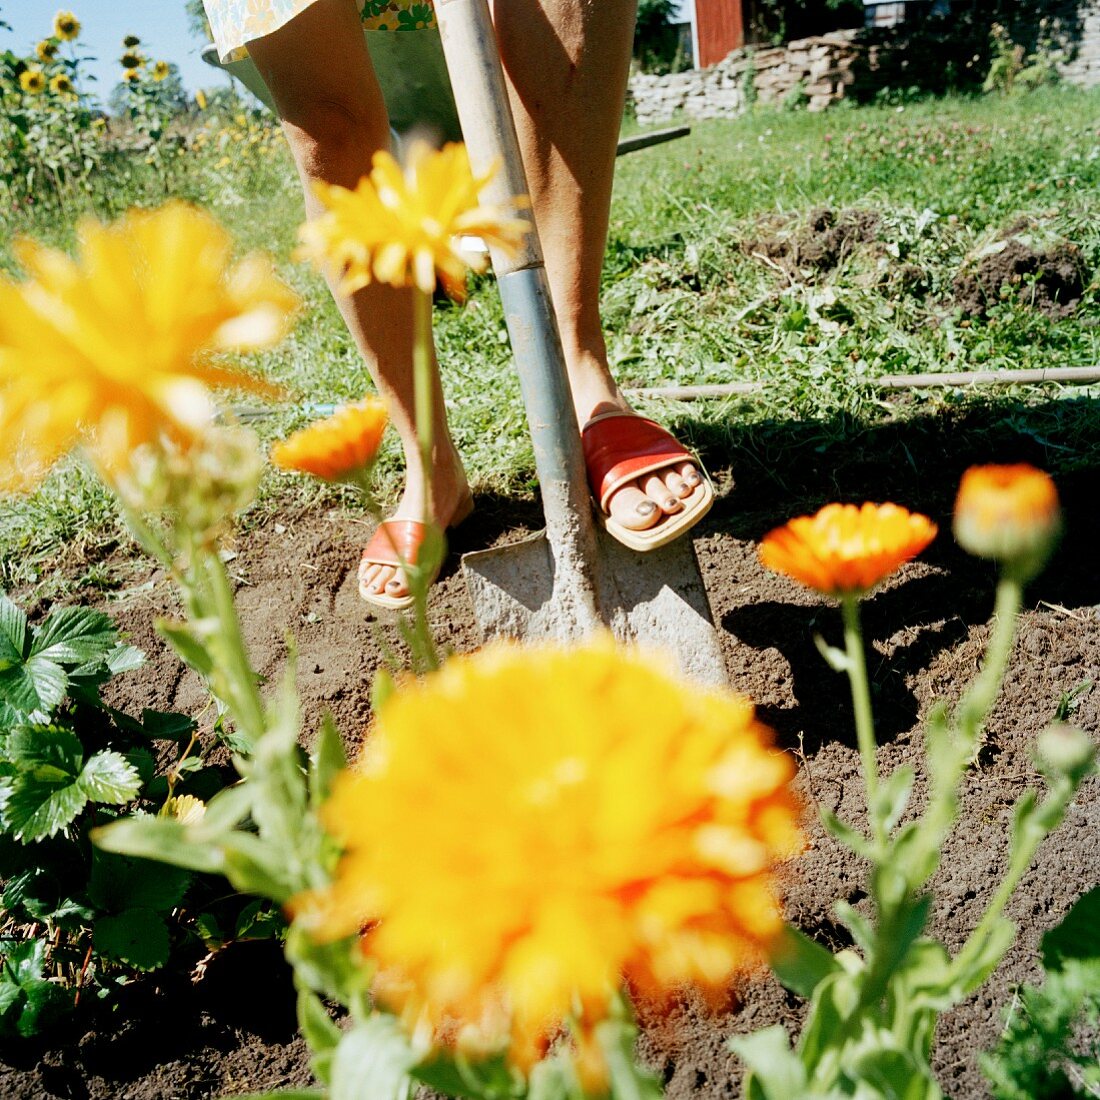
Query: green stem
x,y
978,701
864,716
423,391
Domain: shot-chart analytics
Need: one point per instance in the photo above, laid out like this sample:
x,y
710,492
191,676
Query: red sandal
x,y
619,448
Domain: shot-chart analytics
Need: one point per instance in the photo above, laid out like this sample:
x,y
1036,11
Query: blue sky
x,y
160,24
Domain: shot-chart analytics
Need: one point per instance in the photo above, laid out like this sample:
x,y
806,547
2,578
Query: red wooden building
x,y
718,27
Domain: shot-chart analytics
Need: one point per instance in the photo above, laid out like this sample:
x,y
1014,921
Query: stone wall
x,y
816,72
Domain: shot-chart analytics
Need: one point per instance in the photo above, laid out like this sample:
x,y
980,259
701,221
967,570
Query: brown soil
x,y
822,243
1050,280
233,1032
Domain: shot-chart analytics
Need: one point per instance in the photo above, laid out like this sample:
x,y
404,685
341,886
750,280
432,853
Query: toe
x,y
633,509
676,484
397,584
655,488
690,475
379,577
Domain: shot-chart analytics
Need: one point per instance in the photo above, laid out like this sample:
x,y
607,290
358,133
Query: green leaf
x,y
108,777
320,1031
124,658
192,652
34,687
776,1070
863,932
852,839
893,1075
13,632
164,725
136,937
837,659
486,1079
47,753
1077,937
45,1003
893,796
800,963
327,760
36,809
24,960
160,838
554,1079
967,979
373,1059
120,882
258,920
628,1080
285,1094
381,690
898,930
74,636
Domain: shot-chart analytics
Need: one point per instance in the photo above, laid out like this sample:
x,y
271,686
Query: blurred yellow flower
x,y
32,81
66,26
46,50
131,76
200,100
186,809
530,827
114,349
401,226
843,550
62,85
340,446
161,71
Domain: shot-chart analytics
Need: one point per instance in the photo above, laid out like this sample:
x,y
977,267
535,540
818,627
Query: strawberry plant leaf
x,y
74,636
34,809
13,632
166,725
34,686
109,777
49,753
120,882
137,937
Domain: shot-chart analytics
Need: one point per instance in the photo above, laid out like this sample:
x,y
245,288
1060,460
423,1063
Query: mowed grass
x,y
693,291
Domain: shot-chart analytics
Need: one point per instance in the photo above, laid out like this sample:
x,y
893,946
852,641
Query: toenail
x,y
692,479
646,508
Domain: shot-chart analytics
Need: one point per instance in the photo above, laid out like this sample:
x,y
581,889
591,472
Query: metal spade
x,y
572,578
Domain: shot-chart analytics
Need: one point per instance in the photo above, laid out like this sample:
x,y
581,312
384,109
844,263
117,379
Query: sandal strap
x,y
621,448
394,540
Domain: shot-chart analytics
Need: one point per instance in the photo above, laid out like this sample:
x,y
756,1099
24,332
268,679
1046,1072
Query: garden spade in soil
x,y
571,578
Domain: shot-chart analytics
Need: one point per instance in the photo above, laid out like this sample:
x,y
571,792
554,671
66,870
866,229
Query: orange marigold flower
x,y
572,817
843,549
337,447
1008,513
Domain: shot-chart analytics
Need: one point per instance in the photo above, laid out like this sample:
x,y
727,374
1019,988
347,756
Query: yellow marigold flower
x,y
132,60
1008,513
572,817
46,50
32,81
401,226
66,26
186,808
337,447
844,550
114,348
161,70
61,85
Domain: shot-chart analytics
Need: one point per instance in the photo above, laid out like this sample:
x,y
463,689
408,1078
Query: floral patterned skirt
x,y
236,22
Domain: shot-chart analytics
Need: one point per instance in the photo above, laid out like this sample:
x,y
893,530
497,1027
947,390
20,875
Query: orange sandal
x,y
395,541
619,448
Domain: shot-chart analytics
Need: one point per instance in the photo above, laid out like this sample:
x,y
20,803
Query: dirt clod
x,y
1051,279
822,243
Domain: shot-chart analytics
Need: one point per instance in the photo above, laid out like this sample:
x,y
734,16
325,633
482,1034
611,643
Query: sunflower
x,y
400,226
66,26
341,446
114,349
60,84
32,81
46,50
132,60
843,550
131,76
1008,513
161,71
131,41
572,817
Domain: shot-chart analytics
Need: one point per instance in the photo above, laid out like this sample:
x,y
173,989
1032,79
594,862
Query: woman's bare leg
x,y
320,75
567,63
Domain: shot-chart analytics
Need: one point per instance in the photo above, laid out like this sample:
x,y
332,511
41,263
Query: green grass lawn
x,y
707,280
